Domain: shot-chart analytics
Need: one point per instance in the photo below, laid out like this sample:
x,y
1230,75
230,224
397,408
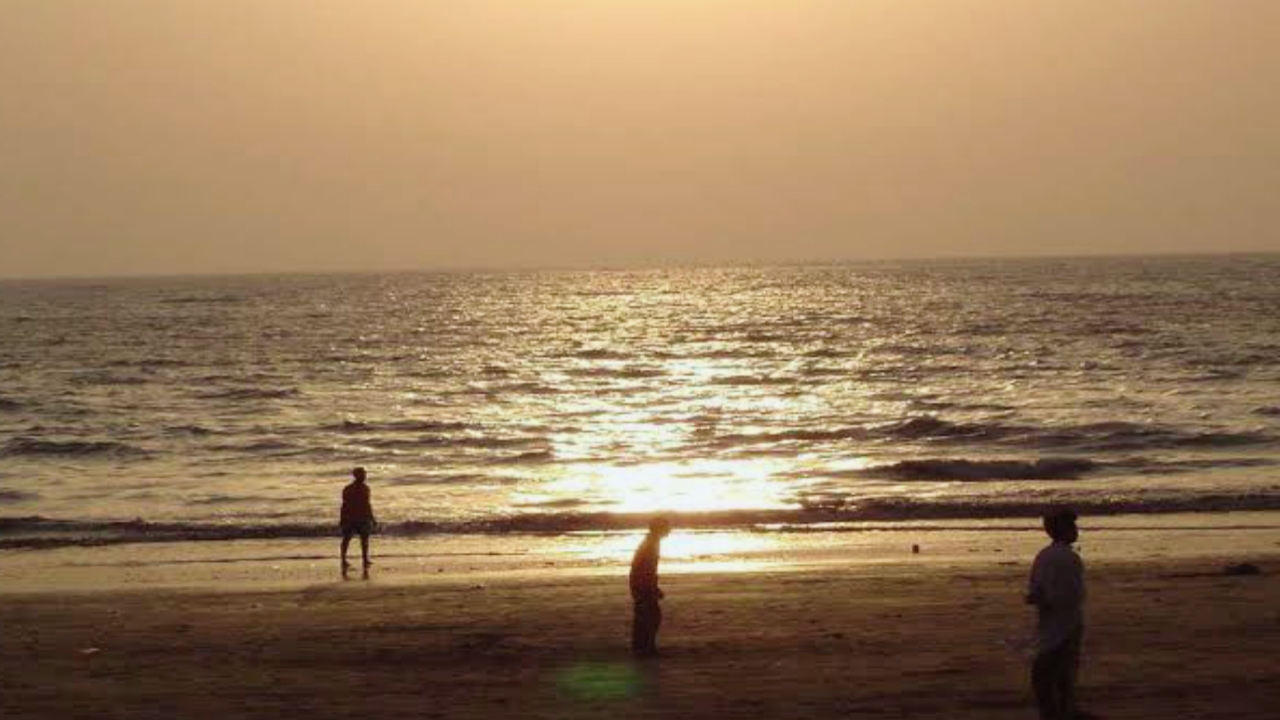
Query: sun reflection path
x,y
683,551
685,487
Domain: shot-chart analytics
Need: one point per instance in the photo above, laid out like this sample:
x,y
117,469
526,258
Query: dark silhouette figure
x,y
356,517
645,593
1057,591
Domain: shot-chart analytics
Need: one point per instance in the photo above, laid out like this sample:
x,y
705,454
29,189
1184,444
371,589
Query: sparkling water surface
x,y
569,400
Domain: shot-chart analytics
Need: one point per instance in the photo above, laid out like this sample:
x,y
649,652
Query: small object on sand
x,y
915,549
90,651
1242,569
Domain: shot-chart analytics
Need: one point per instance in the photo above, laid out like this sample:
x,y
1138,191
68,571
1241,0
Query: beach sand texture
x,y
1165,638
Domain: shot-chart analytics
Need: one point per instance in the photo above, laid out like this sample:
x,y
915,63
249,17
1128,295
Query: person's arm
x,y
1035,586
1035,596
657,557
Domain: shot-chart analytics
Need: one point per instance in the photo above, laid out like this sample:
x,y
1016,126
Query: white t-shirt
x,y
1057,587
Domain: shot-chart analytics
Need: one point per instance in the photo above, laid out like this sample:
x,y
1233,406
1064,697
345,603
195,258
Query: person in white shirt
x,y
1057,591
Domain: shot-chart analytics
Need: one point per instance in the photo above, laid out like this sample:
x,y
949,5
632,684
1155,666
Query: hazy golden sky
x,y
158,136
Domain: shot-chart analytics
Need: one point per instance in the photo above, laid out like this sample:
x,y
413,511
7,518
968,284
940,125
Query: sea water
x,y
235,407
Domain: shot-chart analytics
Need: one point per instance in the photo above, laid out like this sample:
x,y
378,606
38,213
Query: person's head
x,y
1061,526
660,526
358,473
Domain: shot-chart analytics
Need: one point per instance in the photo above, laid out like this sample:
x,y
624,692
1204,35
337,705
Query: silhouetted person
x,y
1057,591
356,517
644,589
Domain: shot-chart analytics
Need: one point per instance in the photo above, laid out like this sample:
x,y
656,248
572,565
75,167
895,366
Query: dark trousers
x,y
1053,675
644,626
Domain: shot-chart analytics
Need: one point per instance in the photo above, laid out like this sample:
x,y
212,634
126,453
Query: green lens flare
x,y
599,681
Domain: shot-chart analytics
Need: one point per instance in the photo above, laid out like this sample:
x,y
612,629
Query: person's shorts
x,y
357,527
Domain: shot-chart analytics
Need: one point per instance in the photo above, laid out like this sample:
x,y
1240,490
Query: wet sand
x,y
1165,638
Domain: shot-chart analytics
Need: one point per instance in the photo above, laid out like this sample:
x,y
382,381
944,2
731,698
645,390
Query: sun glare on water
x,y
687,487
682,551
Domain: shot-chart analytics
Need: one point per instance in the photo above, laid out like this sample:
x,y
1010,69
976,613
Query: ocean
x,y
553,402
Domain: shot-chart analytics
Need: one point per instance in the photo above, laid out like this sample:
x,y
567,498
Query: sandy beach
x,y
910,637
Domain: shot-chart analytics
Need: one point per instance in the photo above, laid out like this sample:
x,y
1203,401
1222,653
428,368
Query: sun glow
x,y
688,487
682,551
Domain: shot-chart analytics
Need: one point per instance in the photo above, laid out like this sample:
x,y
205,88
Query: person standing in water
x,y
356,516
645,593
1057,591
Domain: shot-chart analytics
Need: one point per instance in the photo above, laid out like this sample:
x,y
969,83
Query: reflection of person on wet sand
x,y
356,517
1057,591
644,589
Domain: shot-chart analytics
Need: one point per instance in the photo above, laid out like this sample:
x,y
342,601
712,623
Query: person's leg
x,y
346,541
1045,680
1069,668
364,548
644,626
657,623
639,624
637,627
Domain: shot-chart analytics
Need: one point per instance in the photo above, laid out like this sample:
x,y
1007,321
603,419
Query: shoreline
x,y
284,564
38,531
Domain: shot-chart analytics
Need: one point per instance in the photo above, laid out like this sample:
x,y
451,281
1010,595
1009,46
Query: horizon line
x,y
640,265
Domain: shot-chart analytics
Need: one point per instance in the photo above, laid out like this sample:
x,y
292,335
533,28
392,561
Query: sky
x,y
210,136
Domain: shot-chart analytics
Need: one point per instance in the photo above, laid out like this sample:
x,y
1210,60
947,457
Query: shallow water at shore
x,y
875,547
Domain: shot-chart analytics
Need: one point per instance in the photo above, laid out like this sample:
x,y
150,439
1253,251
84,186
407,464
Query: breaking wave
x,y
360,427
250,394
1103,437
598,354
8,496
820,515
31,447
626,373
985,470
192,430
